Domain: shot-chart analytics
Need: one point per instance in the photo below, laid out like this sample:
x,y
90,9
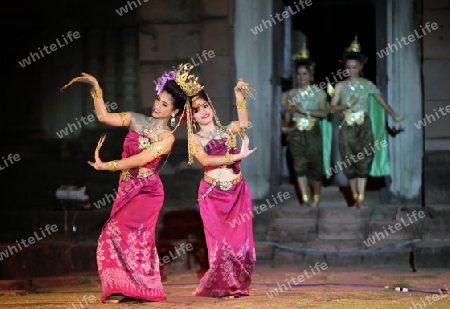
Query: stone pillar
x,y
404,94
436,74
253,58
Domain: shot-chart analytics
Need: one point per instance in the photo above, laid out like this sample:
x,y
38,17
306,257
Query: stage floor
x,y
329,288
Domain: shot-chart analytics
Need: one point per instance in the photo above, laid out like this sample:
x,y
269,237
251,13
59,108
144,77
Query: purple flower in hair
x,y
163,80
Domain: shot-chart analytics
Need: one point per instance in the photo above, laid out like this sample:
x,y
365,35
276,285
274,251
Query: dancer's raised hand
x,y
245,151
84,78
400,118
98,164
243,88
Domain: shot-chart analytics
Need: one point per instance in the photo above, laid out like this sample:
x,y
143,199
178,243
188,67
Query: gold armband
x,y
97,93
241,104
156,151
123,115
229,159
112,166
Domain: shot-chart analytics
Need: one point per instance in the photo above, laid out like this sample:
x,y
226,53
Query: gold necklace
x,y
214,134
148,127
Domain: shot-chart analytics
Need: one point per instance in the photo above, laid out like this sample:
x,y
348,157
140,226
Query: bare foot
x,y
115,298
113,301
195,292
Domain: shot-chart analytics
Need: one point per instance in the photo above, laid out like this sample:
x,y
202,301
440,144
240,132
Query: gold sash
x,y
304,124
355,117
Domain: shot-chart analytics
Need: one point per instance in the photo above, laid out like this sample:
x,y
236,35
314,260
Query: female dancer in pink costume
x,y
223,196
127,258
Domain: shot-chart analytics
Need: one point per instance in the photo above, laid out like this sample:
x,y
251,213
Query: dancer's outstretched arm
x,y
388,108
103,115
228,159
152,152
241,104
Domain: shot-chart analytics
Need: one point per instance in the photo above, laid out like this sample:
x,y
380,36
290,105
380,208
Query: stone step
x,y
324,245
333,203
435,227
14,285
287,224
431,257
402,230
295,229
55,281
263,250
296,212
44,259
437,211
348,230
340,253
13,292
344,215
391,212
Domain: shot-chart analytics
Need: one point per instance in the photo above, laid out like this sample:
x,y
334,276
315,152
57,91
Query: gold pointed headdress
x,y
302,58
354,51
303,54
354,47
187,82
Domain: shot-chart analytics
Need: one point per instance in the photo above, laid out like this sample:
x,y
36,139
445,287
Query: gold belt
x,y
305,124
224,185
143,172
355,117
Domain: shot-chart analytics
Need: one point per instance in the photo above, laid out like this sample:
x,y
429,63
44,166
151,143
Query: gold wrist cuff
x,y
157,151
112,166
229,159
241,104
97,93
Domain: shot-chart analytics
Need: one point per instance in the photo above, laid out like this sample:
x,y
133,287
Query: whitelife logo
x,y
53,47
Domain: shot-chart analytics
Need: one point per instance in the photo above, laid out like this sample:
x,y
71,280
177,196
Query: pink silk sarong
x,y
127,258
228,227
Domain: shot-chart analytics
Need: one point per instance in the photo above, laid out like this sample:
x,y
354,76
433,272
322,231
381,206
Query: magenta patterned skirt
x,y
127,258
227,220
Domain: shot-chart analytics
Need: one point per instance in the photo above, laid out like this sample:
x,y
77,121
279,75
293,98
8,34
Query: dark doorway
x,y
329,27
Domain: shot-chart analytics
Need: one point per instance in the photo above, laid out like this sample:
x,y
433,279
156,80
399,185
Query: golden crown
x,y
302,54
187,82
354,46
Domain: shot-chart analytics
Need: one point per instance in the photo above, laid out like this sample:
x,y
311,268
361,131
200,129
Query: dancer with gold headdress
x,y
224,197
362,126
127,258
305,107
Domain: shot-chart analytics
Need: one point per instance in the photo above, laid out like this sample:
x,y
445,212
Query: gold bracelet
x,y
97,93
157,151
229,159
241,104
112,166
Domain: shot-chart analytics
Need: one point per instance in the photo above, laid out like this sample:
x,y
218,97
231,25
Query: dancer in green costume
x,y
362,134
305,107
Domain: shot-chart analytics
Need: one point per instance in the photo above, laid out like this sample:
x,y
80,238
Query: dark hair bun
x,y
178,95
